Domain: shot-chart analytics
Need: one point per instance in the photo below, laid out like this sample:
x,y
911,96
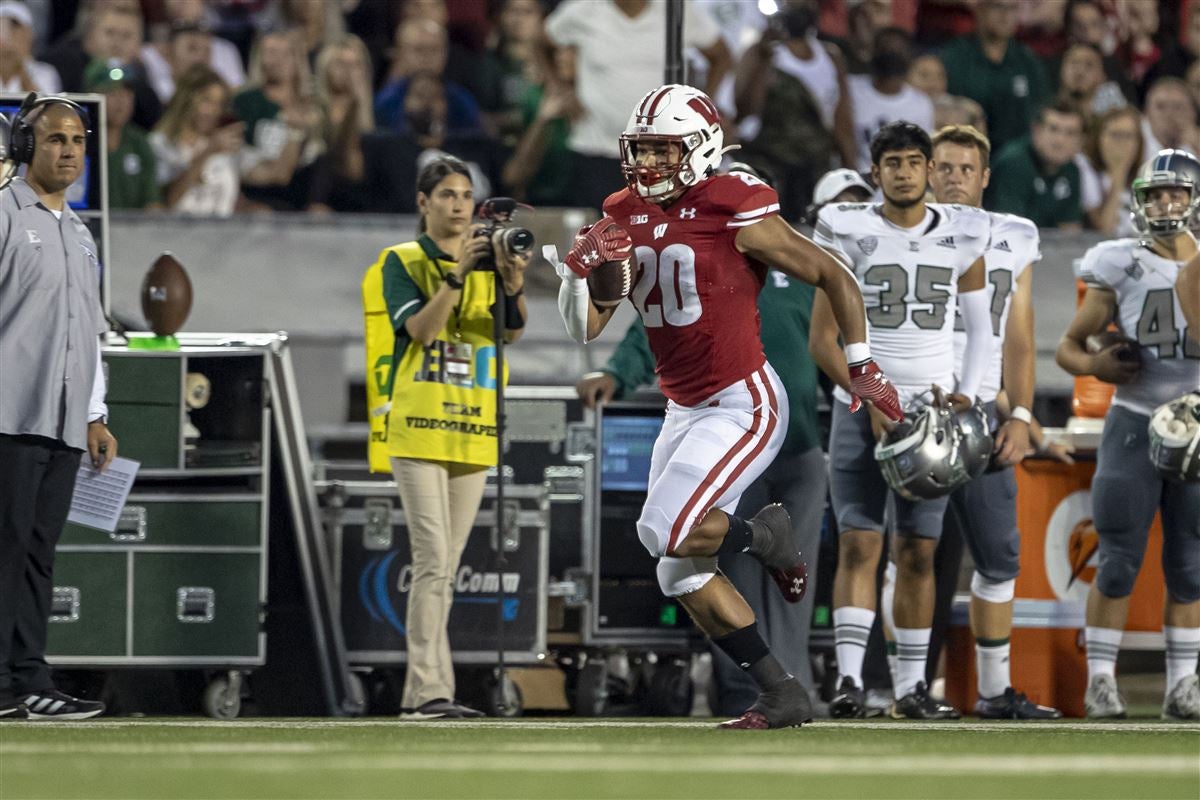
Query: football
x,y
1102,341
166,295
611,282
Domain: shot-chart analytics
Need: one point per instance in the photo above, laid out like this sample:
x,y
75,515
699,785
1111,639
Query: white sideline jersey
x,y
909,280
1015,245
1149,312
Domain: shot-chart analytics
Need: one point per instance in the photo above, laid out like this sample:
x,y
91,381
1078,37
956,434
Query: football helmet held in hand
x,y
922,458
1175,438
977,440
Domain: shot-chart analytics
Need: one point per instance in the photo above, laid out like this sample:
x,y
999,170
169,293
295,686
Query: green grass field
x,y
565,758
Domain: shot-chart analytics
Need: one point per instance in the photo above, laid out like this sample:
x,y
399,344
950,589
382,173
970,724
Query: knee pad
x,y
654,530
1183,584
1116,574
679,576
993,591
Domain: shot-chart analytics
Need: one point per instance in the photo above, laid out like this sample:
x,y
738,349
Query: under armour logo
x,y
687,213
659,230
591,258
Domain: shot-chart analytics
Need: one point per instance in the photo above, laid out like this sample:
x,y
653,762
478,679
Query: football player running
x,y
702,242
916,262
1132,281
986,507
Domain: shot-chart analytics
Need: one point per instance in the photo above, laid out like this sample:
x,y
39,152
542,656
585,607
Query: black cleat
x,y
53,704
774,547
785,706
13,710
1013,705
850,702
917,704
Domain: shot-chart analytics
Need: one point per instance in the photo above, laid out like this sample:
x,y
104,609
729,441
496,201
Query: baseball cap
x,y
17,12
835,182
101,76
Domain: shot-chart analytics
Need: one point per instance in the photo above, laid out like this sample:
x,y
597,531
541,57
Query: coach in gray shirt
x,y
51,392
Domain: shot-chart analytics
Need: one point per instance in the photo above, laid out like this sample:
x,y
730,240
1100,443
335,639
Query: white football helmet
x,y
922,458
681,115
1175,438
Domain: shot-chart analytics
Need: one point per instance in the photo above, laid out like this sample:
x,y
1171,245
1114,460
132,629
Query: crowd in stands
x,y
227,106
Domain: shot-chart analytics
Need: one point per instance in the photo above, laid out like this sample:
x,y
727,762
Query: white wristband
x,y
858,352
1022,414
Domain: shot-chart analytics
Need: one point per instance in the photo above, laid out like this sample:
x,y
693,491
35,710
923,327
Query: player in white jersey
x,y
916,263
985,508
1132,281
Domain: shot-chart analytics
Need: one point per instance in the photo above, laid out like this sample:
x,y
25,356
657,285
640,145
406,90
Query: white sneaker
x,y
1102,700
1183,702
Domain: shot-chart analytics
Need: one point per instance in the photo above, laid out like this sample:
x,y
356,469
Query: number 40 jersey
x,y
696,294
1148,311
909,279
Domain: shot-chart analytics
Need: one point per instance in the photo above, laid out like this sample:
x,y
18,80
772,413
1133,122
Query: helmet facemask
x,y
1176,220
668,177
1168,169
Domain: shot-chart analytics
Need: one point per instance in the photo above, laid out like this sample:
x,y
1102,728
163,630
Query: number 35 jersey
x,y
696,294
1148,311
909,279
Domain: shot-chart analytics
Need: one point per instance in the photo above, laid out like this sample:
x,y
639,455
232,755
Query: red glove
x,y
867,382
604,241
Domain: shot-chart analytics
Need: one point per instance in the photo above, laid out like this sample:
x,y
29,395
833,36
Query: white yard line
x,y
280,757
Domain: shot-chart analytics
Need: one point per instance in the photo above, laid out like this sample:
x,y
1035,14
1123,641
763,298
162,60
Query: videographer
x,y
430,306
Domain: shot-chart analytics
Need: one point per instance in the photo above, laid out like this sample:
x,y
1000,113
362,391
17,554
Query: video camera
x,y
497,213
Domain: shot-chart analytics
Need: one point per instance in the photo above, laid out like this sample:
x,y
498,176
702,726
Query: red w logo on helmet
x,y
705,108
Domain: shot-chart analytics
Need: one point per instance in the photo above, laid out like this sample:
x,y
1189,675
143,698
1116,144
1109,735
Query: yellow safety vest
x,y
439,402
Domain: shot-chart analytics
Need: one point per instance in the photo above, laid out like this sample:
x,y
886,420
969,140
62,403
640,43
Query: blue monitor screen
x,y
625,448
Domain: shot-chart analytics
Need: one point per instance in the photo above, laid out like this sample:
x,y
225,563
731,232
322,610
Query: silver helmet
x,y
922,457
1167,168
977,441
1175,438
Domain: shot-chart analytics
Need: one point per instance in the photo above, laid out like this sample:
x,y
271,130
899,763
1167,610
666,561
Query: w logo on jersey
x,y
660,230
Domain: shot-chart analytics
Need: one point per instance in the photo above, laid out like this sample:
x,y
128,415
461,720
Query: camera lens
x,y
518,240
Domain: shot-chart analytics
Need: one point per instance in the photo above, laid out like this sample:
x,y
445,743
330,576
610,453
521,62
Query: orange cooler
x,y
1058,566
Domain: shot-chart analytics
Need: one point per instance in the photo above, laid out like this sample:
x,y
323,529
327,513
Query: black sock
x,y
738,539
748,650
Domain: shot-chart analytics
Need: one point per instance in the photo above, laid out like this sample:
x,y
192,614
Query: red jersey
x,y
697,295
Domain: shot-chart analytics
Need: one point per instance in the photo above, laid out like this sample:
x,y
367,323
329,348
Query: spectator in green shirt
x,y
996,71
797,477
1036,176
131,162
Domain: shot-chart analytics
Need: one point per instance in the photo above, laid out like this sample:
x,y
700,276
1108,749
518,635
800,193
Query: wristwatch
x,y
452,281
